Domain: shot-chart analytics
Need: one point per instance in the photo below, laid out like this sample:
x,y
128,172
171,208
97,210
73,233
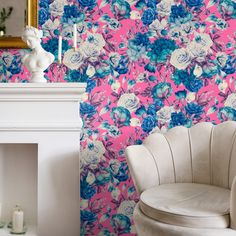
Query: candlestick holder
x,y
22,232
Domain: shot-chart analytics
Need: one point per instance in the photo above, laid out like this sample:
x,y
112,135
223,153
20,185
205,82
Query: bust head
x,y
32,36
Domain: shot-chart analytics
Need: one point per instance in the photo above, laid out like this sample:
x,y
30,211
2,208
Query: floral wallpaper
x,y
147,63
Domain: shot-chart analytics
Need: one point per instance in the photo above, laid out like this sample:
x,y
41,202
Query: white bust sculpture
x,y
38,60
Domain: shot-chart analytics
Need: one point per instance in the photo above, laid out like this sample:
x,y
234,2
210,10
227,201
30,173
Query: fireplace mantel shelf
x,y
41,92
40,106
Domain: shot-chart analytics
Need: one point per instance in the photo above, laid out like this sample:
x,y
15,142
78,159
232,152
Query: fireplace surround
x,y
40,131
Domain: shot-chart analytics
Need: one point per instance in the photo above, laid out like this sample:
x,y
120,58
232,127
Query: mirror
x,y
14,16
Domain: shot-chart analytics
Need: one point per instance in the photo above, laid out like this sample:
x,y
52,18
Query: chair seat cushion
x,y
187,204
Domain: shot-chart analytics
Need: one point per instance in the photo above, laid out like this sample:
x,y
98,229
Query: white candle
x,y
18,221
59,48
0,211
75,36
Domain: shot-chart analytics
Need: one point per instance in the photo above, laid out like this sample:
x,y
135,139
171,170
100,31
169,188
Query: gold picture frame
x,y
31,19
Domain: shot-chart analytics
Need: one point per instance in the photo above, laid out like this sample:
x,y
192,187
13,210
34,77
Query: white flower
x,y
204,40
115,86
141,77
197,71
90,71
129,101
97,40
134,15
73,59
186,28
84,97
93,153
231,101
164,114
83,204
49,26
221,58
90,51
164,8
223,86
158,25
90,179
197,51
190,97
131,2
126,208
180,58
57,7
135,122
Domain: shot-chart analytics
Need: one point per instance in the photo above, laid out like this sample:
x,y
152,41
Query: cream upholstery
x,y
203,154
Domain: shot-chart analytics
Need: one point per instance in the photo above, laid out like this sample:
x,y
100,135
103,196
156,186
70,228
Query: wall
x,y
147,63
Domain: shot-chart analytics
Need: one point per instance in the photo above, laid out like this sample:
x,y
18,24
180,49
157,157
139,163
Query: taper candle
x,y
75,36
59,48
18,221
0,211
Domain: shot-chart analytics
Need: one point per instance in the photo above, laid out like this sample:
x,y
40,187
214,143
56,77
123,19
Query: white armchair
x,y
186,181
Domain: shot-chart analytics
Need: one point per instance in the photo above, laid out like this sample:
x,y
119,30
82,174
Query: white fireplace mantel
x,y
39,142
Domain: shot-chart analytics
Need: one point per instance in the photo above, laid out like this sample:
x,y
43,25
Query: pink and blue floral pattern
x,y
147,63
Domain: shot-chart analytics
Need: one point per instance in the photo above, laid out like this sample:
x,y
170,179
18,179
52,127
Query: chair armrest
x,y
142,167
233,205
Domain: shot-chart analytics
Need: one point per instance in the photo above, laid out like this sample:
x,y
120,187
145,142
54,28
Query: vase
x,y
2,30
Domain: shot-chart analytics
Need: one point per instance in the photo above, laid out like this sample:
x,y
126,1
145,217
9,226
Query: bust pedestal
x,y
39,156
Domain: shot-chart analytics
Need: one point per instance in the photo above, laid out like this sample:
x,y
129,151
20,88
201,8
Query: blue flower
x,y
86,191
150,67
161,90
121,9
123,172
102,177
122,67
148,124
72,15
44,4
91,84
52,46
140,4
137,46
179,14
161,49
194,109
121,224
152,4
230,66
178,119
15,66
152,109
194,3
76,76
87,109
181,94
43,15
227,8
190,81
140,111
103,71
227,113
87,216
121,116
89,4
193,85
148,16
